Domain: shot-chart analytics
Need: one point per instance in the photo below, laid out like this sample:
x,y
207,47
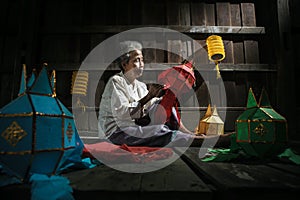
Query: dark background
x,y
62,33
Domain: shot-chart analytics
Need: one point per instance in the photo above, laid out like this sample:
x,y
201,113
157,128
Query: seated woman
x,y
125,100
132,114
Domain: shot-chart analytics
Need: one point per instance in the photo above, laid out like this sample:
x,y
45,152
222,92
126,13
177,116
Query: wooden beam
x,y
180,28
286,68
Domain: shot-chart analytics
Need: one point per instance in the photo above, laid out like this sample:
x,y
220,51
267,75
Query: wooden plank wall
x,y
289,34
295,33
64,34
9,48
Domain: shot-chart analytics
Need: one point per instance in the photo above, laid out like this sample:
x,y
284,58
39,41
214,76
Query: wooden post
x,y
18,49
174,51
153,13
198,14
210,14
286,82
235,12
251,51
228,45
238,52
223,14
248,14
200,53
149,53
178,13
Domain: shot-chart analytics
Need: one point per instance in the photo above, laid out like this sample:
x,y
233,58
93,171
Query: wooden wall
x,y
293,47
62,33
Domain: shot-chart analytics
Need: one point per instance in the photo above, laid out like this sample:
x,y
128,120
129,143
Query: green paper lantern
x,y
260,130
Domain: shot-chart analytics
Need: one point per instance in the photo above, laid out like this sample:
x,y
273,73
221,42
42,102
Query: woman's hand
x,y
155,90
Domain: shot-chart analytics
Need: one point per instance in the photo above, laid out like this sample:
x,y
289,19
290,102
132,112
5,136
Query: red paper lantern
x,y
180,79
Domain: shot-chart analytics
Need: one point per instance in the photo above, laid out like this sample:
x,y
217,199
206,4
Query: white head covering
x,y
127,46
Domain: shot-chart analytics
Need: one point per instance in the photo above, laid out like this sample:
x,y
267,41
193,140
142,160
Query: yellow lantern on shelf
x,y
79,82
215,49
79,86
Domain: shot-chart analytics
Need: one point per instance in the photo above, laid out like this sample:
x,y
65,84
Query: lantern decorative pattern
x,y
260,130
210,123
181,77
216,51
37,131
178,81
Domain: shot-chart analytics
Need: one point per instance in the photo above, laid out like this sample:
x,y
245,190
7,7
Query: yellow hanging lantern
x,y
215,49
79,86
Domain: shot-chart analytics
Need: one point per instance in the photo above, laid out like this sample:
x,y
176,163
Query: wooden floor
x,y
252,180
186,178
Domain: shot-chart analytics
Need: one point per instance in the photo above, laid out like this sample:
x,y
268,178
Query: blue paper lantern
x,y
37,132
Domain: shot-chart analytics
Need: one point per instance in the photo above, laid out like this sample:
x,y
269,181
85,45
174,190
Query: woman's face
x,y
135,66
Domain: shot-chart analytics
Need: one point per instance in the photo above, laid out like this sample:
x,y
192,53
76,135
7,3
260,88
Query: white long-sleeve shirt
x,y
118,99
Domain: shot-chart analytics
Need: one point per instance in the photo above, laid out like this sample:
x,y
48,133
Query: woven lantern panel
x,y
210,123
179,77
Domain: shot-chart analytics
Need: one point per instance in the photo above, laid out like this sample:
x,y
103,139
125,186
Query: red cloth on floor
x,y
108,152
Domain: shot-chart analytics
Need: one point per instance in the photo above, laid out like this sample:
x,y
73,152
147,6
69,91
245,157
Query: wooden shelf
x,y
218,108
179,28
211,67
163,66
228,108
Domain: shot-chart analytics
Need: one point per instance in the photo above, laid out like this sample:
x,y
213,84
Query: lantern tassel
x,y
218,70
80,104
